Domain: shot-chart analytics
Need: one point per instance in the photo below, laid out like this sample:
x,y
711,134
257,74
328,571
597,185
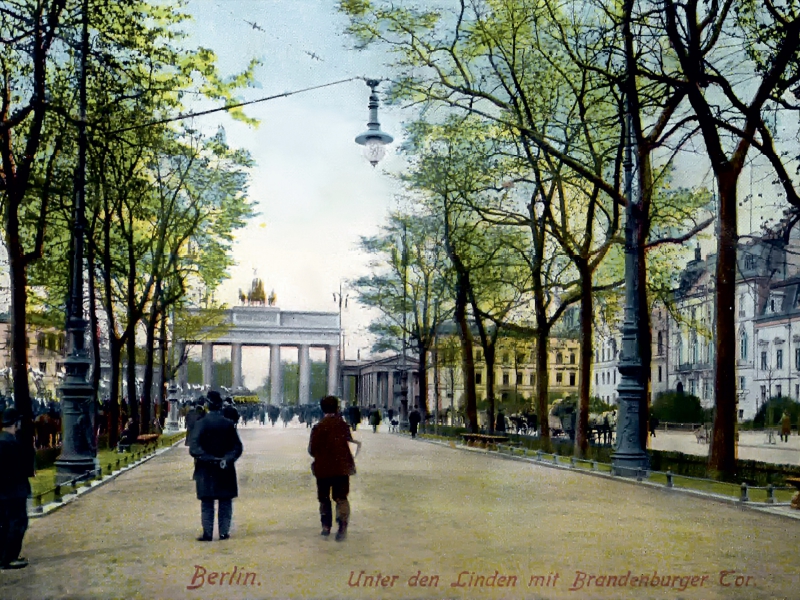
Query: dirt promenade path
x,y
418,509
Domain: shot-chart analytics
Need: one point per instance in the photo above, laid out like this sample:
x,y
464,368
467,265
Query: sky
x,y
314,191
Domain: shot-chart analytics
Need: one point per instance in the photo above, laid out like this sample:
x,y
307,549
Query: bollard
x,y
594,465
539,455
57,494
745,497
571,462
638,474
37,503
555,458
74,484
109,469
770,494
525,452
669,479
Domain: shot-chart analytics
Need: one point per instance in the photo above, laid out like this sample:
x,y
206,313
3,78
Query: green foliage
x,y
679,408
771,412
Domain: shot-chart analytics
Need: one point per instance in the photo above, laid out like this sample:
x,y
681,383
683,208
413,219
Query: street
x,y
428,521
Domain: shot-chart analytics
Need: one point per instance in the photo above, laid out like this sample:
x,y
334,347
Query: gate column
x,y
208,364
332,358
275,378
304,393
236,364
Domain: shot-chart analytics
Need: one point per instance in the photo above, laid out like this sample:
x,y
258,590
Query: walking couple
x,y
216,446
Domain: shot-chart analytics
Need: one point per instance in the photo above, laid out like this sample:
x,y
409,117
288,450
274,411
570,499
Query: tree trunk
x,y
584,383
490,352
115,352
543,383
164,369
133,400
467,358
423,380
723,445
19,351
149,366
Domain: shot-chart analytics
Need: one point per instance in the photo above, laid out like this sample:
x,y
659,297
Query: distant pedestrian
x,y
653,425
355,416
374,418
14,492
229,411
786,426
390,413
333,465
500,424
216,447
414,419
195,413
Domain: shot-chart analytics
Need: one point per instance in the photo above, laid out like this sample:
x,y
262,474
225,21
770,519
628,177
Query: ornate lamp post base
x,y
78,446
173,424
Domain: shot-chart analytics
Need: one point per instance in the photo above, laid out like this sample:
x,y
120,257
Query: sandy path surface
x,y
418,509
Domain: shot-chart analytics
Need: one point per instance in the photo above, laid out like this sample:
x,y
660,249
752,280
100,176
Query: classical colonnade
x,y
269,326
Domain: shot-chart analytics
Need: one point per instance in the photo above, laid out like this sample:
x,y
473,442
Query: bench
x,y
147,438
795,481
482,440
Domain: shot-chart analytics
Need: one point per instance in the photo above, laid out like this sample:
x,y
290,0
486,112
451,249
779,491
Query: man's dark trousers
x,y
338,487
13,525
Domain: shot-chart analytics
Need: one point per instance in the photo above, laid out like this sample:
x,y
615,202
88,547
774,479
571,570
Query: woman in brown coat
x,y
786,426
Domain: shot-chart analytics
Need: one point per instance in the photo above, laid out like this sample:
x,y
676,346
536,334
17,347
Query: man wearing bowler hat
x,y
14,492
215,447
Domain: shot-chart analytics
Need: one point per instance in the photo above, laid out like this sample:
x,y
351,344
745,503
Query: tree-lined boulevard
x,y
418,509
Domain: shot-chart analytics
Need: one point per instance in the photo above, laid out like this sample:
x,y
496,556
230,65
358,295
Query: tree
x,y
408,285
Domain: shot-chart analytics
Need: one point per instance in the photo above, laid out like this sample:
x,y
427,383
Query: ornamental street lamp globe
x,y
373,139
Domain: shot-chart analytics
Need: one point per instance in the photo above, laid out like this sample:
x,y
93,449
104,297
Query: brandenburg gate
x,y
270,326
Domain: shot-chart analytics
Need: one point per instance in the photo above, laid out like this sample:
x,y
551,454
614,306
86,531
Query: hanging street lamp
x,y
373,139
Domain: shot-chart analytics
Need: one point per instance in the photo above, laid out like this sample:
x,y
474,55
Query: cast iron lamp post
x,y
78,446
629,457
373,139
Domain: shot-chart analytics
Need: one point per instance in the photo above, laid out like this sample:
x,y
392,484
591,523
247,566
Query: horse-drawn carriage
x,y
562,417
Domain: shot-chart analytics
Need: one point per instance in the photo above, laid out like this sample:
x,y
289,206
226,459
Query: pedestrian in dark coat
x,y
500,424
14,492
192,417
414,419
374,418
229,411
215,446
333,464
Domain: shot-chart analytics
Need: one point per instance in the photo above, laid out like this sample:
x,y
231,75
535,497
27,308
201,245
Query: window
x,y
743,346
692,388
505,378
43,367
533,379
505,358
659,374
615,377
572,379
742,383
797,358
741,305
693,348
478,377
778,391
741,413
520,358
519,378
559,358
779,358
478,355
559,377
749,261
572,358
596,379
797,392
763,393
660,343
706,389
764,361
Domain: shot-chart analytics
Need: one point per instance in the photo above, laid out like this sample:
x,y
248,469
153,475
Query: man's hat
x,y
10,417
214,400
